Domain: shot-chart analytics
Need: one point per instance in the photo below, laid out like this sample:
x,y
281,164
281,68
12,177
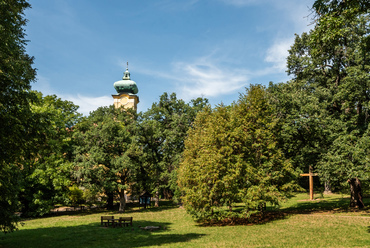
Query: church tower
x,y
126,92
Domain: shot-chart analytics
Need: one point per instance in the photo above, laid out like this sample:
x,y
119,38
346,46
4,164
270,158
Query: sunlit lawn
x,y
321,223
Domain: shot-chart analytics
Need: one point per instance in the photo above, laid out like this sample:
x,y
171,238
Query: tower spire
x,y
126,74
126,92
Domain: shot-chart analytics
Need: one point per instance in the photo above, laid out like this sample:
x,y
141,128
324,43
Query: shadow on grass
x,y
334,205
163,205
133,207
327,205
93,235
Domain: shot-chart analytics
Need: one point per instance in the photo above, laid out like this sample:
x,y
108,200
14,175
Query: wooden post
x,y
310,174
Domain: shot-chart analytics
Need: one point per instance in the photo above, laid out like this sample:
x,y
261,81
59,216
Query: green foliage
x,y
161,132
324,109
75,195
90,197
47,176
16,74
231,156
337,7
103,161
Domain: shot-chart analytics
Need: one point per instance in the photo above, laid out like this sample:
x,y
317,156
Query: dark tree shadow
x,y
93,235
301,207
131,207
336,205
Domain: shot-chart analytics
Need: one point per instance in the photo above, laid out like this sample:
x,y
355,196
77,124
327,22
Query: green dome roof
x,y
126,85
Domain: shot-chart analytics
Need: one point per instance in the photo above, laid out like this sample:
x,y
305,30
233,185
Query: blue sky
x,y
209,48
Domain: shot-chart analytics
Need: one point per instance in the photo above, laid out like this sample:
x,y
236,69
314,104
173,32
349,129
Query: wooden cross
x,y
310,175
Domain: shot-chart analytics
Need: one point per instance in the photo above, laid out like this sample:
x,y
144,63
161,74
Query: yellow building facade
x,y
125,100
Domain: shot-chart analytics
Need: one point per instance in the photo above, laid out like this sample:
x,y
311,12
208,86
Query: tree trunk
x,y
327,188
356,193
167,194
110,201
122,201
156,199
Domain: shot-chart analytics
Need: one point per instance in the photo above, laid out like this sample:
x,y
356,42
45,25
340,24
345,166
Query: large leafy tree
x,y
301,121
103,161
161,133
16,74
231,156
331,75
47,173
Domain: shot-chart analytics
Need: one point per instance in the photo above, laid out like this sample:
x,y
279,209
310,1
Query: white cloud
x,y
278,53
205,77
88,103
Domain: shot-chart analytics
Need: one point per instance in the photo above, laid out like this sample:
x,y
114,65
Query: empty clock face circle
x,y
124,100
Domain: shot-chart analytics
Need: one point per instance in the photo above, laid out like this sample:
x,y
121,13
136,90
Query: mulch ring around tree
x,y
254,219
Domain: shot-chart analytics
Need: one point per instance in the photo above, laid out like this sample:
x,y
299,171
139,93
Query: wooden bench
x,y
125,221
107,220
111,221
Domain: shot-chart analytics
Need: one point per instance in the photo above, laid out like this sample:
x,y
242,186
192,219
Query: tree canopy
x,y
102,152
231,156
326,104
161,134
16,75
47,169
211,159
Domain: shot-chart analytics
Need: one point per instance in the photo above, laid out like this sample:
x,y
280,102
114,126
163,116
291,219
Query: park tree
x,y
301,136
231,156
161,132
103,160
330,68
337,7
16,75
47,170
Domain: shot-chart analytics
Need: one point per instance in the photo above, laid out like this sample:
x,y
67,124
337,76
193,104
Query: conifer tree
x,y
231,156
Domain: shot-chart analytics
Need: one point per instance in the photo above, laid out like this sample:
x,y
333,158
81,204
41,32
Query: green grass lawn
x,y
325,222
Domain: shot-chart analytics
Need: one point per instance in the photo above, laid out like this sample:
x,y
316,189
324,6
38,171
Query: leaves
x,y
103,150
47,168
324,109
161,132
16,74
231,156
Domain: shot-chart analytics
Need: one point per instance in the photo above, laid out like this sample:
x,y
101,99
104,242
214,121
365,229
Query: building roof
x,y
126,85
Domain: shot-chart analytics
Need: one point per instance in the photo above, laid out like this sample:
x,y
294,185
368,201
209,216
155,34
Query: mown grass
x,y
325,222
